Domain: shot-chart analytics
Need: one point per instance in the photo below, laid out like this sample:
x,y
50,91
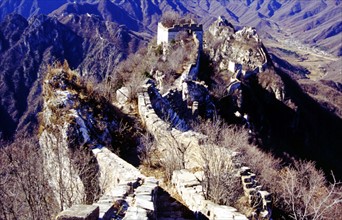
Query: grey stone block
x,y
80,212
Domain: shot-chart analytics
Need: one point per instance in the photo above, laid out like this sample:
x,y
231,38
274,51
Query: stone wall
x,y
258,198
186,183
194,91
163,108
166,134
124,184
114,170
127,193
80,212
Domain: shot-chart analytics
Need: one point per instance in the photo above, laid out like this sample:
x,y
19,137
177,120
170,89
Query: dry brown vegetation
x,y
299,190
170,160
24,189
107,125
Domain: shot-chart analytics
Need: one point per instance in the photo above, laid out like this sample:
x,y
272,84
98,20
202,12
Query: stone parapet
x,y
133,200
168,135
259,199
114,170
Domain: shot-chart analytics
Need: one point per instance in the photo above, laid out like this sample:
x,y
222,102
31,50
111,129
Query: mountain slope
x,y
28,47
287,18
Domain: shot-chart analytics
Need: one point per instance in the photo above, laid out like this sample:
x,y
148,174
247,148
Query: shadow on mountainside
x,y
307,131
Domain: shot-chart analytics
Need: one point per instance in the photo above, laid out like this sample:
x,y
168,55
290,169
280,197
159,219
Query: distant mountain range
x,y
317,23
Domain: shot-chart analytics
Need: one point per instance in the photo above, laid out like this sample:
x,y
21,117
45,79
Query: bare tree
x,y
221,183
177,57
306,195
25,193
25,184
147,149
70,167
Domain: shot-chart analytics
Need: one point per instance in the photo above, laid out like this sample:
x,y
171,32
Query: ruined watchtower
x,y
167,34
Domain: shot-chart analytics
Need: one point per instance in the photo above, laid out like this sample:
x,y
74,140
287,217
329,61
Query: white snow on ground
x,y
64,97
81,124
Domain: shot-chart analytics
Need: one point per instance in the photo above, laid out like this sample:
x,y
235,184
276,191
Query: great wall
x,y
128,191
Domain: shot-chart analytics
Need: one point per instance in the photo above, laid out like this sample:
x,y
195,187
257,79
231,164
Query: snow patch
x,y
64,97
81,124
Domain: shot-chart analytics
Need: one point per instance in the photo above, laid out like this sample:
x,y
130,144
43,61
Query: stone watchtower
x,y
167,34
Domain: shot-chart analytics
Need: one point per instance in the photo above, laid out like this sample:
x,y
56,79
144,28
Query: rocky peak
x,y
227,46
88,118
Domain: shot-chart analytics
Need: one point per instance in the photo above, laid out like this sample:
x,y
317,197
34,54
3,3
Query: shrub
x,y
221,184
170,18
147,149
299,190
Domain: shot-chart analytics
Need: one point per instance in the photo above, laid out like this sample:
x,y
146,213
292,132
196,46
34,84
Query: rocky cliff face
x,y
72,122
241,47
63,135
